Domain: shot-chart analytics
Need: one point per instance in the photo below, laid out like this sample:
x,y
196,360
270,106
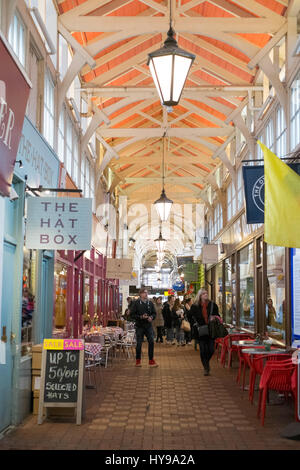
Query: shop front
x,y
250,285
82,293
14,92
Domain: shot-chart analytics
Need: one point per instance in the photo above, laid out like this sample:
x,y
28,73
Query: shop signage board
x,y
254,187
14,93
210,253
119,268
40,162
62,376
59,223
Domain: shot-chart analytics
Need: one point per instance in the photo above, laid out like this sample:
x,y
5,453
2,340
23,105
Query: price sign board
x,y
62,375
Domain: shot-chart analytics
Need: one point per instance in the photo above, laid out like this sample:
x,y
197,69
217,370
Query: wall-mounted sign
x,y
40,163
209,253
59,223
14,93
118,268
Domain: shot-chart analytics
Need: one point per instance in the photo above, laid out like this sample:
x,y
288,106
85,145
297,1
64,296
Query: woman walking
x,y
158,322
178,315
202,312
168,319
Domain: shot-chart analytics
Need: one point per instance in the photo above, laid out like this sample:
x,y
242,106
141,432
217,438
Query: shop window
x,y
276,303
280,133
75,160
61,136
219,287
295,112
240,189
49,109
269,135
17,38
60,296
231,201
69,146
28,301
228,291
246,270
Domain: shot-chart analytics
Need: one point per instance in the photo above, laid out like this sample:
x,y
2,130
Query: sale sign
x,y
59,223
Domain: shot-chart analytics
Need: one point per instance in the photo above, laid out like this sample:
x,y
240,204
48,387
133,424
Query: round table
x,y
245,342
237,332
261,350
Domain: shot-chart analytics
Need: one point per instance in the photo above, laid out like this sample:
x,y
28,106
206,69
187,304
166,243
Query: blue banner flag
x,y
254,187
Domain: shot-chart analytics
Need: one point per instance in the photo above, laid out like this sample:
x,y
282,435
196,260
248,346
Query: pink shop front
x,y
82,294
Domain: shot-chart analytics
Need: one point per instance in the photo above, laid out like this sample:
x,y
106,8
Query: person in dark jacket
x,y
200,312
144,313
168,319
187,315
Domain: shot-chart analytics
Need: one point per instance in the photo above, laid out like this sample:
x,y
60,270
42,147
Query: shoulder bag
x,y
203,330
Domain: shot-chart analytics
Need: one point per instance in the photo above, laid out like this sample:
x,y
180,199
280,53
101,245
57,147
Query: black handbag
x,y
217,329
202,330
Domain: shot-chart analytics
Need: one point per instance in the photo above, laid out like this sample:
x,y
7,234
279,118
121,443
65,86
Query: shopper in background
x,y
187,315
201,311
168,319
126,315
158,322
144,313
178,316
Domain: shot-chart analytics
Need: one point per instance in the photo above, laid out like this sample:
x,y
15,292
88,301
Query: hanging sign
x,y
210,253
254,187
14,93
59,223
119,268
62,376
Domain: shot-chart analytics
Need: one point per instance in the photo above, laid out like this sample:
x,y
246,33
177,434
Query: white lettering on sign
x,y
59,223
7,122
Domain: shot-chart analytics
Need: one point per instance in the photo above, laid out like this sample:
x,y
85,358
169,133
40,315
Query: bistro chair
x,y
257,367
229,348
108,347
91,361
276,376
126,343
218,347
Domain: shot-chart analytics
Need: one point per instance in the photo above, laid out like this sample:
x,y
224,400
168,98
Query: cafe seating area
x,y
269,367
104,346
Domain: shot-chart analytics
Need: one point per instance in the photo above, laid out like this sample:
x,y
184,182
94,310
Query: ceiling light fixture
x,y
169,67
163,204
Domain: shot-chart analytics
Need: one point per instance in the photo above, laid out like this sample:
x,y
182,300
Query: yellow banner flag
x,y
282,202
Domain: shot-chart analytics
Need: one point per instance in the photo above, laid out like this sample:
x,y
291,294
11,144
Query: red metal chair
x,y
257,367
218,346
229,348
277,376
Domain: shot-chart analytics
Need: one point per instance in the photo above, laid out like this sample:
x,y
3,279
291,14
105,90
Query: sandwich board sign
x,y
62,376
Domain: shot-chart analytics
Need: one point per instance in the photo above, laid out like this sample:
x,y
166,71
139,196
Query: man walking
x,y
144,312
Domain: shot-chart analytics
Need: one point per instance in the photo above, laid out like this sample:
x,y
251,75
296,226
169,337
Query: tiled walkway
x,y
171,407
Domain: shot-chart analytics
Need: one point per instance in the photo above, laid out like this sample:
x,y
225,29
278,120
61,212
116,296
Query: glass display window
x,y
219,287
228,291
60,273
246,269
28,300
276,296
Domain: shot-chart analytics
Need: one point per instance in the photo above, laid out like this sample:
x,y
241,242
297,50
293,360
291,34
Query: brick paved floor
x,y
171,407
